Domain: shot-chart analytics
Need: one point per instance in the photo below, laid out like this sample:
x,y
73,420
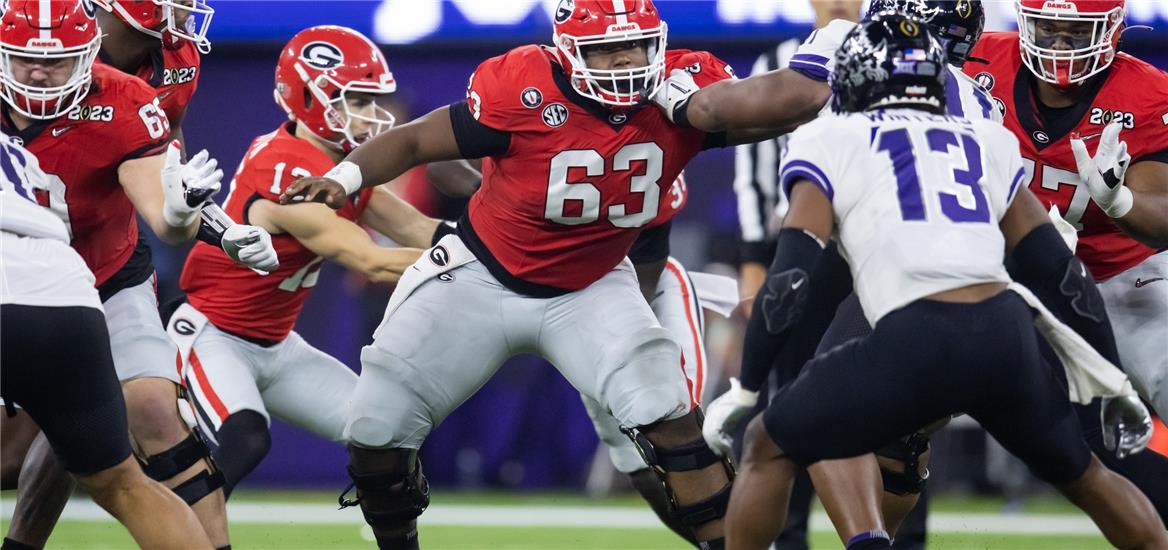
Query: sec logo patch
x,y
555,115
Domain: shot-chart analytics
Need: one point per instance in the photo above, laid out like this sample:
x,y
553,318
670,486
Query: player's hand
x,y
1104,172
1127,426
673,94
187,186
315,189
1067,231
251,246
724,413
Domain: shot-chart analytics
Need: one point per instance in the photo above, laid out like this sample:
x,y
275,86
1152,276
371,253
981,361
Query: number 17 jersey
x,y
562,204
917,198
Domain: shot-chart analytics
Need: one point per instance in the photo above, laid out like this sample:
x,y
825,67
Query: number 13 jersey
x,y
917,198
567,184
235,298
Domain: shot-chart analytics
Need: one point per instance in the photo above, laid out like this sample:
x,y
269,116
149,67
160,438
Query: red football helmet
x,y
157,18
1087,55
45,30
583,23
318,68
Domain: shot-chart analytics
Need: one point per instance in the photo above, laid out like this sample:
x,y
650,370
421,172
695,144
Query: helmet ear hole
x,y
307,98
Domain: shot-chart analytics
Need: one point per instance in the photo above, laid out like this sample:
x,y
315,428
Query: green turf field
x,y
286,520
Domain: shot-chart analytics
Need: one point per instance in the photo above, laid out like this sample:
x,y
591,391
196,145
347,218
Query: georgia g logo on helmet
x,y
564,10
322,55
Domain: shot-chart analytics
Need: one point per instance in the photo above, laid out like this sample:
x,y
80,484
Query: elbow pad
x,y
787,286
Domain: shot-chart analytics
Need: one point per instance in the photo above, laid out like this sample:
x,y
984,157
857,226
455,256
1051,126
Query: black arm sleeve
x,y
652,245
1043,263
475,139
790,317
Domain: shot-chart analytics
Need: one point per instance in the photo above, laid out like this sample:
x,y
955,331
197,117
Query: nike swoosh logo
x,y
61,130
165,95
797,284
1141,283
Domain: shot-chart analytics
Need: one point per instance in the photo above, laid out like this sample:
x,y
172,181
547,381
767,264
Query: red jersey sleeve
x,y
1145,92
142,126
497,95
705,67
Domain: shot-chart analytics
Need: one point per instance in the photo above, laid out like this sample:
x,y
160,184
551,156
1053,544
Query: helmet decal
x,y
564,10
322,55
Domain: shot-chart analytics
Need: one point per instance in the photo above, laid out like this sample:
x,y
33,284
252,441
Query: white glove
x,y
1104,172
186,187
815,57
675,92
1127,426
1067,231
251,246
723,414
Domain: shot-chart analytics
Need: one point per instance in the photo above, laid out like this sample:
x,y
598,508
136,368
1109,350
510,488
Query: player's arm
x,y
1147,221
330,236
1134,195
397,219
140,180
757,107
384,158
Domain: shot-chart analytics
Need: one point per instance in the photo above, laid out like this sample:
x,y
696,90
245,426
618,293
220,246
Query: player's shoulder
x,y
832,127
993,46
1132,74
278,158
994,133
111,86
186,55
704,66
516,66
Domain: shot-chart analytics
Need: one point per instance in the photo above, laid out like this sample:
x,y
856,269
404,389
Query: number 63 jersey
x,y
235,298
917,198
568,184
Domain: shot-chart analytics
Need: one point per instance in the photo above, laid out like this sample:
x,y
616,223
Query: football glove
x,y
1067,231
1127,426
673,94
251,246
187,186
1104,172
724,413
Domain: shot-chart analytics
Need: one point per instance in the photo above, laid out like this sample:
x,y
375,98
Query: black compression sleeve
x,y
1043,263
445,227
213,221
475,139
779,305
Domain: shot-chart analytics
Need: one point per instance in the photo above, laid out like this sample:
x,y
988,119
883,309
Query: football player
x,y
575,167
1091,123
926,243
102,137
47,295
242,359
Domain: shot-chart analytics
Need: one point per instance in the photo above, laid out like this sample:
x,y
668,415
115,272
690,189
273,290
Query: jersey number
x,y
154,118
297,172
305,277
578,202
908,184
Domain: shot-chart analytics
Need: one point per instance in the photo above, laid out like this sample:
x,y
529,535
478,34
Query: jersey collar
x,y
606,115
1030,118
26,135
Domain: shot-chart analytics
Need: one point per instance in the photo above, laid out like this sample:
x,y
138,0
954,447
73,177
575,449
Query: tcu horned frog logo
x,y
322,55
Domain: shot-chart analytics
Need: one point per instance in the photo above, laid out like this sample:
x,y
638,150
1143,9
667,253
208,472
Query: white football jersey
x,y
917,198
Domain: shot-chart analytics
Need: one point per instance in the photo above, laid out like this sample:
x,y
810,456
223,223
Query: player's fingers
x,y
173,156
1111,133
295,191
198,159
335,199
1082,158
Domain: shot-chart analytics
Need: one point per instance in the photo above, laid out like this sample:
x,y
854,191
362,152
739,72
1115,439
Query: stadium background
x,y
526,428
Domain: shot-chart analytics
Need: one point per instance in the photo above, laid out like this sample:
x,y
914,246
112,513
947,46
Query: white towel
x,y
717,293
1089,375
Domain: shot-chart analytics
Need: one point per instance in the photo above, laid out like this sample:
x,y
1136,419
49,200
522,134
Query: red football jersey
x,y
174,73
565,202
1130,91
235,298
81,151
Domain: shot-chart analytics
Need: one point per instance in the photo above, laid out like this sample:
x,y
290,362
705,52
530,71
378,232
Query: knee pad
x,y
392,494
691,456
908,450
175,460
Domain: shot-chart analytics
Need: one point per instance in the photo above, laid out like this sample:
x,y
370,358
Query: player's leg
x,y
84,418
309,388
761,491
221,378
172,453
44,489
608,344
1028,412
16,435
1137,303
441,339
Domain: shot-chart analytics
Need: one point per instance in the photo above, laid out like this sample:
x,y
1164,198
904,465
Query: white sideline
x,y
579,516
